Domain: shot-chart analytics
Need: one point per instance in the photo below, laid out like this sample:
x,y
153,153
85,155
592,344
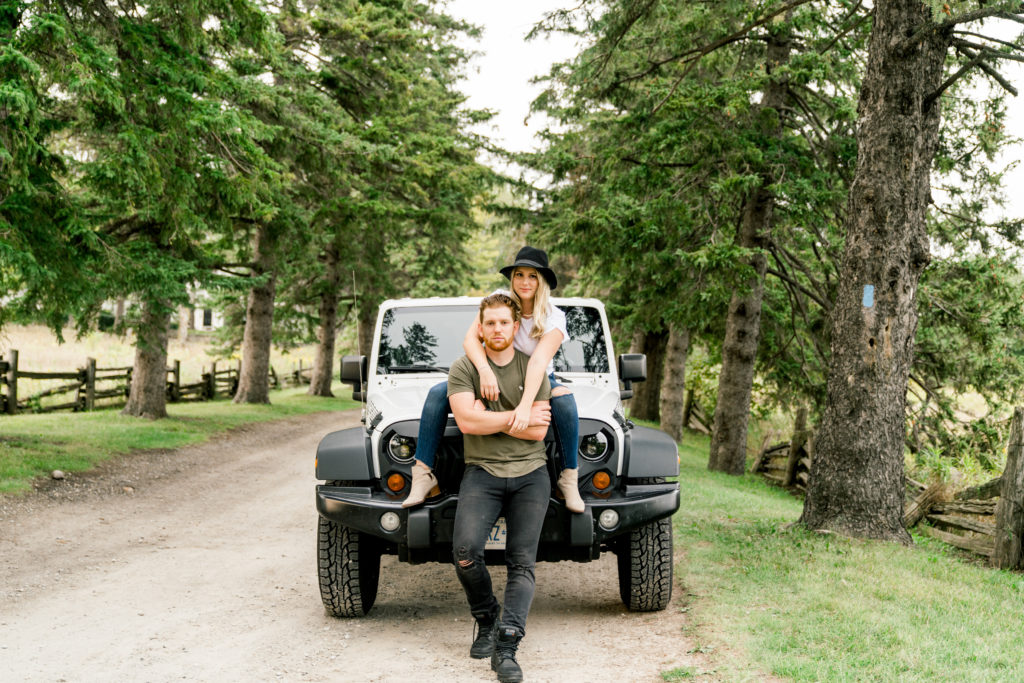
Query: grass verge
x,y
32,446
817,607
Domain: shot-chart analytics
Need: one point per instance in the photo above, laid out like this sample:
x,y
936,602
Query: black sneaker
x,y
503,661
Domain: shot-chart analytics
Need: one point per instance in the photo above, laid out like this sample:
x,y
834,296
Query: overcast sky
x,y
499,79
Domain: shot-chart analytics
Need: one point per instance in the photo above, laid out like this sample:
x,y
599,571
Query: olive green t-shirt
x,y
500,454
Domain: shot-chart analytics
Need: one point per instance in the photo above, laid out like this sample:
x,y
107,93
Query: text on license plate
x,y
496,538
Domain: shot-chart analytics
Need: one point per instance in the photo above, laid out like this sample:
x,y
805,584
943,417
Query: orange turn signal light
x,y
396,482
601,480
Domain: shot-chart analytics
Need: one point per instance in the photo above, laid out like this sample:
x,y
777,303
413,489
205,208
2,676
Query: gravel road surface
x,y
199,564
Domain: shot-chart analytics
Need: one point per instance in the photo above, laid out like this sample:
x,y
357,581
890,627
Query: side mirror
x,y
632,368
353,371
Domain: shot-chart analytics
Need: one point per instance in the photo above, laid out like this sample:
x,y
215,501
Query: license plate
x,y
496,539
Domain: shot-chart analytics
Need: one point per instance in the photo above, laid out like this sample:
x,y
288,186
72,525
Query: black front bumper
x,y
425,531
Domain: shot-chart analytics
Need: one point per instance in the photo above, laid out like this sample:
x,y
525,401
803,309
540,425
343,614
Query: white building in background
x,y
200,314
207,319
203,317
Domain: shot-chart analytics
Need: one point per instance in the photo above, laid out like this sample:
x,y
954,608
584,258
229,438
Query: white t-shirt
x,y
523,341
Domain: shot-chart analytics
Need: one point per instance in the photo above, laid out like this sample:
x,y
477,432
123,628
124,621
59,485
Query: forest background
x,y
783,203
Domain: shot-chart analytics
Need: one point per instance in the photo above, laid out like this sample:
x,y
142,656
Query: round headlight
x,y
594,446
401,448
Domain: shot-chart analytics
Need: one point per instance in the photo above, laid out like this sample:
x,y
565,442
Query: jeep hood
x,y
595,398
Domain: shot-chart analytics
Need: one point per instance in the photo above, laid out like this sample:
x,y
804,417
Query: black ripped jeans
x,y
482,497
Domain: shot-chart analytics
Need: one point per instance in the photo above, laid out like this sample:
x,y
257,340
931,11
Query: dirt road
x,y
199,565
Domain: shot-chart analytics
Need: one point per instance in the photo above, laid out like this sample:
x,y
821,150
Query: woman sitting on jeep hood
x,y
540,334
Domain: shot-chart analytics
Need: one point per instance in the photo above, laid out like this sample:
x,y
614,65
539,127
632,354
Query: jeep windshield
x,y
429,339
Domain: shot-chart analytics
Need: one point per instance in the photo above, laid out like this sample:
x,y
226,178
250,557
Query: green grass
x,y
32,446
818,607
678,674
762,597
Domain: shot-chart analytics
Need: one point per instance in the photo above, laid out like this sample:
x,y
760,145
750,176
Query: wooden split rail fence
x,y
111,386
987,519
789,463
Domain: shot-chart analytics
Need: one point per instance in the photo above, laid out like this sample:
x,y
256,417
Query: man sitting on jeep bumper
x,y
503,473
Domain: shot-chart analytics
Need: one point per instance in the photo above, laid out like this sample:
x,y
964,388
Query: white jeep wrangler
x,y
623,468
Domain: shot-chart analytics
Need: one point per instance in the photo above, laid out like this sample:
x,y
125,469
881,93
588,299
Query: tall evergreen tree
x,y
170,162
709,156
391,213
856,484
44,242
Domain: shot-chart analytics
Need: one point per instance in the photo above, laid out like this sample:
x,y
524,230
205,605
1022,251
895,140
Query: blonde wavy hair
x,y
541,304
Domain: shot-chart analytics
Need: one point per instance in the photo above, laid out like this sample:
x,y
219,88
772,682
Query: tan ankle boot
x,y
568,484
423,481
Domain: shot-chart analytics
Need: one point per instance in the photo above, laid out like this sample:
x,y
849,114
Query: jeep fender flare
x,y
652,453
344,455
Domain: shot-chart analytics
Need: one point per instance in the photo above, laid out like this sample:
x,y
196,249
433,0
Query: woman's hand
x,y
488,383
520,418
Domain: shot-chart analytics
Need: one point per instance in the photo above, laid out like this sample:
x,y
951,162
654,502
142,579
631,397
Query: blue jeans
x,y
482,497
436,408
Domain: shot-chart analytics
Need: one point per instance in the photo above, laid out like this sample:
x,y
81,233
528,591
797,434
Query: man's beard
x,y
499,346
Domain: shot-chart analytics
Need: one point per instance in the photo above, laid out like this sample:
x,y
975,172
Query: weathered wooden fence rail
x,y
92,384
789,463
987,519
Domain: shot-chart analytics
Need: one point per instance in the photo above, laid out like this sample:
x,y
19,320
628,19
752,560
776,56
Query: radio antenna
x,y
359,348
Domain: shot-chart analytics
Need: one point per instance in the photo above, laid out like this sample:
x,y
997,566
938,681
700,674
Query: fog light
x,y
396,482
601,480
390,521
609,519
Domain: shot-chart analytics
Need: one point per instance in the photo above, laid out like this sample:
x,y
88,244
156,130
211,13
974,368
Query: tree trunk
x,y
636,342
687,407
796,446
743,321
254,377
739,351
184,318
323,363
856,485
647,394
148,396
367,319
118,314
673,388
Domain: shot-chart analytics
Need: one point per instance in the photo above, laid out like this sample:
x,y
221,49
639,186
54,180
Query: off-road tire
x,y
645,566
348,564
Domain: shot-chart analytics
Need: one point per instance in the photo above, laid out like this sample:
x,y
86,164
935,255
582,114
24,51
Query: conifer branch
x,y
983,13
637,15
692,57
1007,43
965,18
987,51
960,73
657,164
987,68
842,34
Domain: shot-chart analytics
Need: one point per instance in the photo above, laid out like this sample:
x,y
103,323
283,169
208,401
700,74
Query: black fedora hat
x,y
531,257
